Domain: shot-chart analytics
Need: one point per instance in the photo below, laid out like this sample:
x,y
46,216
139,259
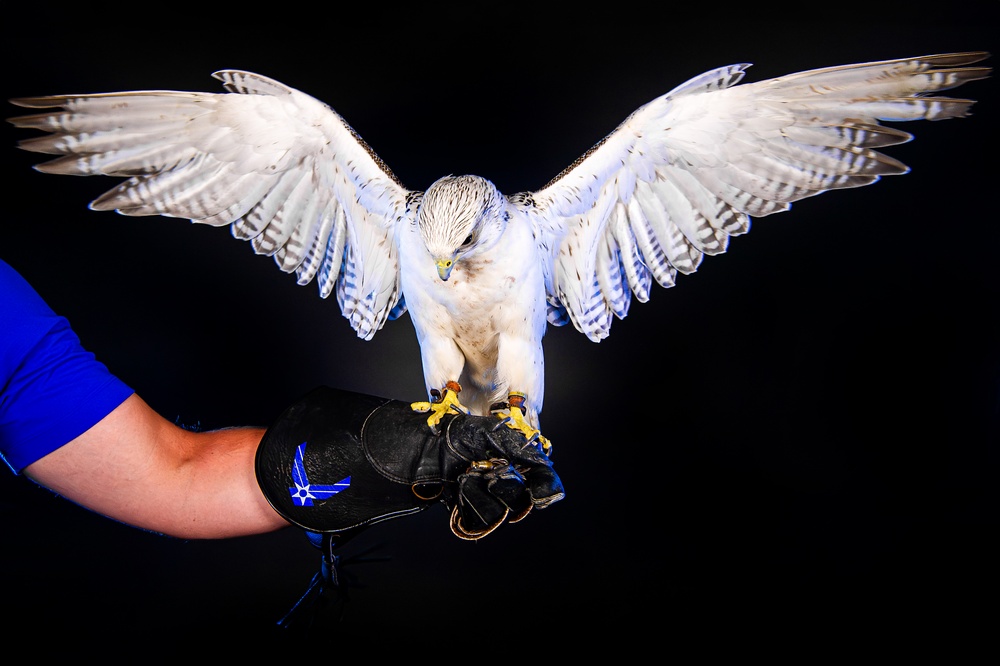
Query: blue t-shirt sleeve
x,y
51,389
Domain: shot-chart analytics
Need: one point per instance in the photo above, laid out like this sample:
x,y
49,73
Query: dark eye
x,y
468,240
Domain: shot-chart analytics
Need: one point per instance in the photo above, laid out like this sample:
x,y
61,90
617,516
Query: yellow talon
x,y
517,422
546,445
445,403
513,417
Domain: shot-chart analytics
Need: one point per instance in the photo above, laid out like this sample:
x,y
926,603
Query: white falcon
x,y
482,273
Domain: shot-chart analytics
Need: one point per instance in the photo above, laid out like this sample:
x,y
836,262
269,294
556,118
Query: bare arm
x,y
138,468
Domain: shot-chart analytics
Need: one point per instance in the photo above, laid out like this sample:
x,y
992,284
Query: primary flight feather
x,y
482,274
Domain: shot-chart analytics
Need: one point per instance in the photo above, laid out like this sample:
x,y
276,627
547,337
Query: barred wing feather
x,y
281,169
687,171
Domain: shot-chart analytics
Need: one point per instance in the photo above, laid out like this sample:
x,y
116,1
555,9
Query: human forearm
x,y
138,468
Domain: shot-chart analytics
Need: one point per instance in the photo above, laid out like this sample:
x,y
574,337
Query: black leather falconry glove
x,y
337,462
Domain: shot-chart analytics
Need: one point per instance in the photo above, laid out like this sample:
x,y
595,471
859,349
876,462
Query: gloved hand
x,y
337,462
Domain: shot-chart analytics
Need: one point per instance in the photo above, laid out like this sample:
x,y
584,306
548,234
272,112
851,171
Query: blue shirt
x,y
51,388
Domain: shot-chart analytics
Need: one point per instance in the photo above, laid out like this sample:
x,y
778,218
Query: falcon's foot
x,y
445,402
511,414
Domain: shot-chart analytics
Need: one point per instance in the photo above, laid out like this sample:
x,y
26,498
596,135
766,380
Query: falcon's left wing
x,y
686,171
282,169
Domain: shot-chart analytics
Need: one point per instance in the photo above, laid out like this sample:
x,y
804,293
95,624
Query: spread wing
x,y
688,170
281,169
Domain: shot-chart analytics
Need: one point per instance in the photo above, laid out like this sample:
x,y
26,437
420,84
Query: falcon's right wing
x,y
282,169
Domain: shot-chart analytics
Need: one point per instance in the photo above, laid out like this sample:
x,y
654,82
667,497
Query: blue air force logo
x,y
304,492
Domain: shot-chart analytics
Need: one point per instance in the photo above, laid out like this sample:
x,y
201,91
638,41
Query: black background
x,y
799,438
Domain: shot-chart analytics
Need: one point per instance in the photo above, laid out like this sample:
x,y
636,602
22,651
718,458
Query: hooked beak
x,y
444,267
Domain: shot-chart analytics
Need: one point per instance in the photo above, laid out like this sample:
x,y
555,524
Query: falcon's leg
x,y
512,414
445,402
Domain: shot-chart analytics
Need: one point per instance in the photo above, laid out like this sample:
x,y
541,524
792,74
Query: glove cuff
x,y
313,469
